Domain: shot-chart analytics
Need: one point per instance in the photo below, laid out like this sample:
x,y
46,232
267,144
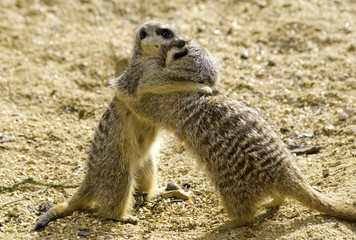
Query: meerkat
x,y
120,161
121,157
244,157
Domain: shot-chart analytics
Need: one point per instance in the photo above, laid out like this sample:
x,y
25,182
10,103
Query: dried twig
x,y
35,182
18,200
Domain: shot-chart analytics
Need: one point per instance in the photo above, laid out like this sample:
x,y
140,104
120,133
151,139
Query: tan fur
x,y
244,157
120,151
120,159
154,49
197,71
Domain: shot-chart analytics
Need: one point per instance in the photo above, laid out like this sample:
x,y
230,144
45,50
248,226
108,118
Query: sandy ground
x,y
293,61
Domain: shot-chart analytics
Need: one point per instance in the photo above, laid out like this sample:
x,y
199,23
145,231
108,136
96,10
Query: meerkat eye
x,y
143,34
165,33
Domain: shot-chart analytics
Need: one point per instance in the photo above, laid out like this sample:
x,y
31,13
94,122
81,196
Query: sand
x,y
293,61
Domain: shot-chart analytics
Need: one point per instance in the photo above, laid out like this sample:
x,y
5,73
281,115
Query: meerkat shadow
x,y
257,227
265,214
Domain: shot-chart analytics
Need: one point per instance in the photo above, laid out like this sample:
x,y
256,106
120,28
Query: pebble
x,y
271,63
343,115
172,186
24,224
84,233
326,173
245,55
306,149
180,194
297,134
105,237
346,113
5,140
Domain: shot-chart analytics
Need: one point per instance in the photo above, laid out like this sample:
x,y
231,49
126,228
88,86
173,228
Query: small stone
x,y
343,115
316,188
297,134
33,142
271,63
5,140
284,130
172,186
326,173
1,135
306,149
351,48
245,55
11,213
24,224
346,113
262,4
179,194
84,233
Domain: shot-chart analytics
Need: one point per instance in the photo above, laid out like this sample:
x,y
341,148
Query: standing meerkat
x,y
243,156
120,161
121,155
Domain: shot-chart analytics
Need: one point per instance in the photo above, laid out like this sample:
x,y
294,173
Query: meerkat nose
x,y
181,43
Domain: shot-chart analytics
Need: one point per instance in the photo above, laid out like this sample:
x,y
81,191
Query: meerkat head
x,y
156,38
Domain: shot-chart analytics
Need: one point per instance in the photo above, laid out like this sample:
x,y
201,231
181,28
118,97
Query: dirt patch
x,y
294,61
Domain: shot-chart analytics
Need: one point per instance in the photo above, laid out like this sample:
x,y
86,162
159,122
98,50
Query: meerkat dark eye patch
x,y
181,54
165,33
143,34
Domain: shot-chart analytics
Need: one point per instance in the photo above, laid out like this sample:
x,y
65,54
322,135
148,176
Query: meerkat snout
x,y
178,43
175,53
181,53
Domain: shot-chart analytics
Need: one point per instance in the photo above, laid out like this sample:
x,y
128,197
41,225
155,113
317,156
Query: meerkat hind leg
x,y
80,200
242,211
146,177
115,199
119,212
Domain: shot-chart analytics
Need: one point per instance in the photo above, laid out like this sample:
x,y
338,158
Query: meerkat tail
x,y
309,197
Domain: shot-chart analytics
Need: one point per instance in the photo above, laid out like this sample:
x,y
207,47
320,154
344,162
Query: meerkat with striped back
x,y
244,157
